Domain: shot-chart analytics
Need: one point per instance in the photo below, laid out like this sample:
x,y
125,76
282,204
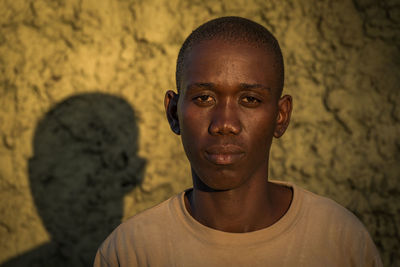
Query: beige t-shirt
x,y
315,231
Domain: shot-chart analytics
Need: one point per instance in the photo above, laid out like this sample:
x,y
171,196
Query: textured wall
x,y
84,142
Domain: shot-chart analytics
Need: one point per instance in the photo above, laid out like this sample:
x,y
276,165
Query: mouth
x,y
224,154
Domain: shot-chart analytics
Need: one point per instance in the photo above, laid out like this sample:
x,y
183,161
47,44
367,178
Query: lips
x,y
224,154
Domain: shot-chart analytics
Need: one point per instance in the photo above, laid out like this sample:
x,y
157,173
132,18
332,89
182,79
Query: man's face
x,y
227,112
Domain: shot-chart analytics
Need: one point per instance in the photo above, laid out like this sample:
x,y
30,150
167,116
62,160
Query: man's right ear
x,y
171,109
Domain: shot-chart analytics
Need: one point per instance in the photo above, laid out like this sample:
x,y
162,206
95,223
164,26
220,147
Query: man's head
x,y
233,30
228,107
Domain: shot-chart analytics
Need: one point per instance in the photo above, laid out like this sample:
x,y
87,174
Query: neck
x,y
253,206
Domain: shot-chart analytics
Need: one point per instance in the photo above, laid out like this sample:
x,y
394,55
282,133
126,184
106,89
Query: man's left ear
x,y
283,118
171,109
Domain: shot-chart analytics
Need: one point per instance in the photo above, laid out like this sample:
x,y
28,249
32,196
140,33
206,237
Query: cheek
x,y
260,130
193,127
187,117
192,120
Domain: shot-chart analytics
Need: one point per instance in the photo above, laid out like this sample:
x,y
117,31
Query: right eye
x,y
204,99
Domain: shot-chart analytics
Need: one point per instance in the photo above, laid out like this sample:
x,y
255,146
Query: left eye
x,y
250,100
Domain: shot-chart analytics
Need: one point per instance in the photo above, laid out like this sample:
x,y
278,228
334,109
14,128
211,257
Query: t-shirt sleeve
x,y
360,247
116,250
371,254
348,241
100,260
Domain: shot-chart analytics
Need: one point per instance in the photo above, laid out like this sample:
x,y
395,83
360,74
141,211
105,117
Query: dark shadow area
x,y
85,160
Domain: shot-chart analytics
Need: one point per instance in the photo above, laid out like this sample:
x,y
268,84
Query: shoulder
x,y
138,232
150,216
148,219
327,214
309,205
338,228
322,206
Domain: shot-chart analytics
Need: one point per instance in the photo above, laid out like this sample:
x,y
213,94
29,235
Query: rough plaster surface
x,y
84,141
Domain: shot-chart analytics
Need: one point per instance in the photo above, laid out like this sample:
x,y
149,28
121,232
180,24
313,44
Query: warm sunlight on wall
x,y
84,142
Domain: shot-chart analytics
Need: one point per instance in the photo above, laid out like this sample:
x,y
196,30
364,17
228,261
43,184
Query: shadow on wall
x,y
85,160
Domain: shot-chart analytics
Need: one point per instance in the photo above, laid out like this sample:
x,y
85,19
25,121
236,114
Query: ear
x,y
283,118
171,108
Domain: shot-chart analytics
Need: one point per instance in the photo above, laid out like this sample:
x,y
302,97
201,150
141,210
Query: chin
x,y
223,180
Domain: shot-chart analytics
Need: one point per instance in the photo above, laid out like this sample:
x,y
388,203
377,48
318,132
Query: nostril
x,y
225,128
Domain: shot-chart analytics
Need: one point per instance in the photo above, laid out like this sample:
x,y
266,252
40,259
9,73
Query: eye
x,y
204,99
250,100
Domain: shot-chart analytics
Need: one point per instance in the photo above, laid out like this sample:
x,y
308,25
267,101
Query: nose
x,y
225,120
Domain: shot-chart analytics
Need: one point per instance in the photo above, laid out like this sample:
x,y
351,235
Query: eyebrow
x,y
200,85
246,86
243,86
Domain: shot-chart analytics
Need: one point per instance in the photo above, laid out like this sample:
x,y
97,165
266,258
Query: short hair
x,y
232,29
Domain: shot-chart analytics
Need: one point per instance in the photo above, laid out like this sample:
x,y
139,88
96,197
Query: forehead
x,y
229,63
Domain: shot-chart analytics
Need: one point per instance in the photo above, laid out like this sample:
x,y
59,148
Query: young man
x,y
227,110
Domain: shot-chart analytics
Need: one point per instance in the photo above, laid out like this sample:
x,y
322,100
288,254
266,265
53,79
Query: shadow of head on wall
x,y
85,160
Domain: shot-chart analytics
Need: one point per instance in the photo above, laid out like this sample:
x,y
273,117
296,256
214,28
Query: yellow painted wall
x,y
84,142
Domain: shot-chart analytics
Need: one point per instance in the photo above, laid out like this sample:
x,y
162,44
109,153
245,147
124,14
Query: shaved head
x,y
233,30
